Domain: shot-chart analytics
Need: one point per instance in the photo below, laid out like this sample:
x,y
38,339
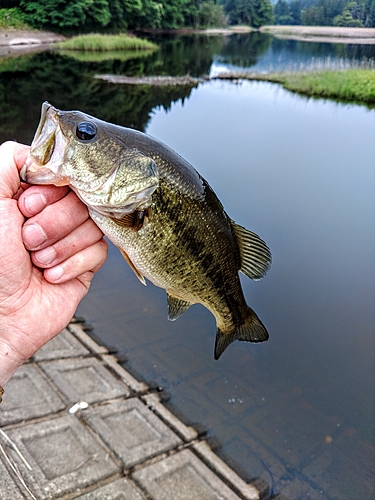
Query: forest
x,y
117,15
348,13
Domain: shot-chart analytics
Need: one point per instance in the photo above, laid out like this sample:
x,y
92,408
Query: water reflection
x,y
262,53
298,410
67,79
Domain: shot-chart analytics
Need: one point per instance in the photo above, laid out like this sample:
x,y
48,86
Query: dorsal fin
x,y
176,306
255,254
132,266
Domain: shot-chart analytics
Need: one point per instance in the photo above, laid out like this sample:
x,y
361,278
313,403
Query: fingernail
x,y
33,235
46,256
55,273
34,203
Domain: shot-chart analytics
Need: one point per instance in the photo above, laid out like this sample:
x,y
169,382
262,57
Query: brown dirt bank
x,y
25,41
333,34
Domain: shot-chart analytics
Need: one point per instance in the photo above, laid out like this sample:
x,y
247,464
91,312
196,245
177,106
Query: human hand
x,y
46,262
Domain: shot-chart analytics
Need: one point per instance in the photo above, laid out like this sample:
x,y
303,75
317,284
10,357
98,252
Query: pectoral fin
x,y
132,266
255,254
176,306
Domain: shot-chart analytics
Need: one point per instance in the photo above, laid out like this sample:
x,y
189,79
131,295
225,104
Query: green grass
x,y
346,85
351,85
12,18
101,43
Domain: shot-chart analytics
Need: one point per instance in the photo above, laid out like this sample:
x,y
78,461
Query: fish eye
x,y
86,131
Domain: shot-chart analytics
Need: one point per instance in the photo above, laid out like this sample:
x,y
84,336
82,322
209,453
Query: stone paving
x,y
75,424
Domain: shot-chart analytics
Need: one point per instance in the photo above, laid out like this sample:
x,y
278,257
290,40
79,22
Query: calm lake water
x,y
298,410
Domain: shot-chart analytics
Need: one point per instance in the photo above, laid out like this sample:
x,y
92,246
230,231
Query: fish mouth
x,y
46,152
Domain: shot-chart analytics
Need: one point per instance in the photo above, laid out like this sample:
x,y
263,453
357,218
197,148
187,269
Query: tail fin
x,y
251,331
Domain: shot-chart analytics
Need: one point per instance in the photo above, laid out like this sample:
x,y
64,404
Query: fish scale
x,y
163,216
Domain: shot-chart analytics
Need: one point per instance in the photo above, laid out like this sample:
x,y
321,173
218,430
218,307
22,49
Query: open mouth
x,y
47,151
46,164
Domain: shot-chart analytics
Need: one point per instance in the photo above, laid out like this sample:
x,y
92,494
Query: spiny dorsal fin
x,y
176,306
255,254
132,266
252,330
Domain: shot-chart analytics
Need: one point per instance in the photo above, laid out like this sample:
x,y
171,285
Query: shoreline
x,y
328,34
13,41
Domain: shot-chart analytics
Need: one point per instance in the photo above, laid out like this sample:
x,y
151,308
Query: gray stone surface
x,y
64,457
187,433
65,345
86,460
81,335
84,379
248,491
122,489
131,430
28,395
124,375
182,477
8,488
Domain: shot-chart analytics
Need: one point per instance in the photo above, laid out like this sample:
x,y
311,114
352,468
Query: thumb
x,y
12,157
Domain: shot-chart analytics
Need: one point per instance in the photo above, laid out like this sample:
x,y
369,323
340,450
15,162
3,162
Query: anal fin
x,y
176,306
132,266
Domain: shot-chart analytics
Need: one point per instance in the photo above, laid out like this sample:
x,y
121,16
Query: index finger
x,y
36,198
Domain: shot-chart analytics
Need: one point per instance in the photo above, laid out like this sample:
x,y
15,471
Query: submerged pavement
x,y
75,424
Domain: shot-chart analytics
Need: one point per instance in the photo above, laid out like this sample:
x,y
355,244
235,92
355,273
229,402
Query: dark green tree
x,y
63,14
282,13
251,12
295,11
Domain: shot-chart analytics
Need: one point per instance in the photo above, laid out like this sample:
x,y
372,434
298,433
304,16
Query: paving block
x,y
28,395
126,377
8,488
131,430
81,335
285,422
64,457
182,477
346,468
297,489
65,345
122,489
188,433
248,491
84,379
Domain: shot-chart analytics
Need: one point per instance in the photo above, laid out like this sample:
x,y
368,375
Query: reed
x,y
101,43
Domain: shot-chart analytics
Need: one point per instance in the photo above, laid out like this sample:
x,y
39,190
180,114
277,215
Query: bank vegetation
x,y
352,85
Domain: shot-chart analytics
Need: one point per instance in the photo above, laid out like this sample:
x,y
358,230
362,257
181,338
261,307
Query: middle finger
x,y
54,222
84,236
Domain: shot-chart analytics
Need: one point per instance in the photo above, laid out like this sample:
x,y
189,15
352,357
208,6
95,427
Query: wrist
x,y
10,361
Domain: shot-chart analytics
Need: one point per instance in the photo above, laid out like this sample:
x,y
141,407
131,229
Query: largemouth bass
x,y
162,215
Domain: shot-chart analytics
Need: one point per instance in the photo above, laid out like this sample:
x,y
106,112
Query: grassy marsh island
x,y
101,43
351,85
